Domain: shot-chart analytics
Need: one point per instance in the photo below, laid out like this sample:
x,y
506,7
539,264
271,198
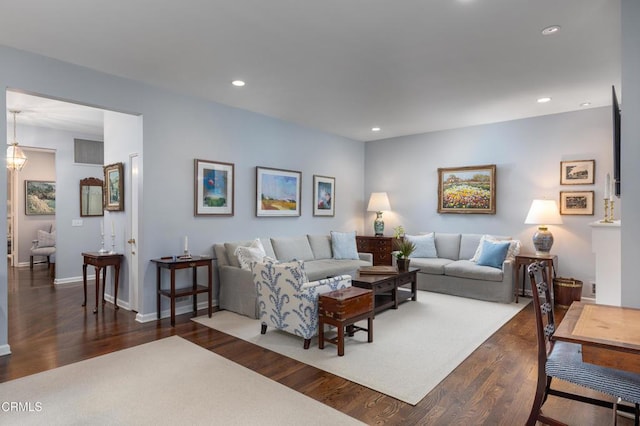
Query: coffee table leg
x,y
370,329
340,340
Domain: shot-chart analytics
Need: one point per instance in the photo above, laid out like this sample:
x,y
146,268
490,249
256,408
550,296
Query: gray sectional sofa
x,y
237,290
453,272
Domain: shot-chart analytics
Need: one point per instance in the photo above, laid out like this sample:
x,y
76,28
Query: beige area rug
x,y
167,382
414,347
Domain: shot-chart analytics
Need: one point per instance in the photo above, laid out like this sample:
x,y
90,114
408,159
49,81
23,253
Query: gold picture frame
x,y
467,190
576,203
114,187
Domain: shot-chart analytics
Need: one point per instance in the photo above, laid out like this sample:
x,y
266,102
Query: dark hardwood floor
x,y
495,386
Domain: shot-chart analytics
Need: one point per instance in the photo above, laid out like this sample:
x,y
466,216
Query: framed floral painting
x,y
467,189
277,192
324,188
40,197
214,188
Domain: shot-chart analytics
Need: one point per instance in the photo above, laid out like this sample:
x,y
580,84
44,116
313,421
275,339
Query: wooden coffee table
x,y
389,290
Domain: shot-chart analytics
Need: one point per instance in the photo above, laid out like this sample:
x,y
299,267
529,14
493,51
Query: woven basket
x,y
566,291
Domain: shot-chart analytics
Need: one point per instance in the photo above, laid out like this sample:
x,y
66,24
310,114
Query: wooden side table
x,y
342,309
380,247
174,263
100,261
525,259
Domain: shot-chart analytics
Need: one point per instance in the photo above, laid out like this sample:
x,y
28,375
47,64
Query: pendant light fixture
x,y
16,159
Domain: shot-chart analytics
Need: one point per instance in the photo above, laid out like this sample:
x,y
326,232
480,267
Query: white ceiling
x,y
343,66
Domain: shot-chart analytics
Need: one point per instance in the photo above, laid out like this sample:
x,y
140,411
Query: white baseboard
x,y
166,313
5,350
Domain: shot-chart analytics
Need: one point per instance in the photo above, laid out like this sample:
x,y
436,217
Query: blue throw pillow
x,y
344,245
493,254
425,245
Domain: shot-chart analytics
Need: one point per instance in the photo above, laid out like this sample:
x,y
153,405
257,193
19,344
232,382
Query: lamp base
x,y
378,225
543,240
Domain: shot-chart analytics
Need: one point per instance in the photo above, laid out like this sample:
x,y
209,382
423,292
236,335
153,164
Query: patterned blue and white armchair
x,y
287,300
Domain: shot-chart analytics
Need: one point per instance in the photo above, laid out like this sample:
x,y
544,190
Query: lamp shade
x,y
378,202
543,212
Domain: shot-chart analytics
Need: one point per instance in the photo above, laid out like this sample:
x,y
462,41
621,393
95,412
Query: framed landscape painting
x,y
214,188
114,187
40,197
324,188
576,202
467,189
277,192
581,172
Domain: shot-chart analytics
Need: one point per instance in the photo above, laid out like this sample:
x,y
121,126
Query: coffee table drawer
x,y
405,279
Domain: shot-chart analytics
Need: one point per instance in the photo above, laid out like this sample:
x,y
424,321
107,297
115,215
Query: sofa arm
x,y
507,268
326,285
367,257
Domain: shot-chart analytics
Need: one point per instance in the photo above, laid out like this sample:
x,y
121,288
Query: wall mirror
x,y
91,197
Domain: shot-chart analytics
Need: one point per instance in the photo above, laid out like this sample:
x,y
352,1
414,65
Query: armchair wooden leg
x,y
30,262
307,343
263,329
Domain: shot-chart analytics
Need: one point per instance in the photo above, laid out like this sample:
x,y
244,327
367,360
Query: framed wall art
x,y
581,172
324,188
467,189
214,188
39,197
576,202
277,192
114,187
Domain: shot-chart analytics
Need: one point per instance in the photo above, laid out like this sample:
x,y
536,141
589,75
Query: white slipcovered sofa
x,y
452,268
237,289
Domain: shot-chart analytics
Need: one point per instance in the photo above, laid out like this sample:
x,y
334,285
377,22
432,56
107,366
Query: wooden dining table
x,y
609,335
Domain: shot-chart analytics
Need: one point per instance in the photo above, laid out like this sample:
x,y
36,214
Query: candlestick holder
x,y
113,244
185,254
607,218
102,249
611,203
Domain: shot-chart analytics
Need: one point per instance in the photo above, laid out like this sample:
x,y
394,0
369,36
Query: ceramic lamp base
x,y
543,240
378,225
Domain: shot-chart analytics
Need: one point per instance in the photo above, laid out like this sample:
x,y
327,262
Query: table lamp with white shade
x,y
543,213
377,203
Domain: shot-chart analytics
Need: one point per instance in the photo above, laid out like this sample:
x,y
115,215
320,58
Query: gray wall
x,y
527,154
630,151
177,129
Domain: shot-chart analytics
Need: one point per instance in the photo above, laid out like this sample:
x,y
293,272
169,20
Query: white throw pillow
x,y
252,253
425,245
514,247
46,239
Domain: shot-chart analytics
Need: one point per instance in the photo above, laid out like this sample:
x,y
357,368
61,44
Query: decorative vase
x,y
403,264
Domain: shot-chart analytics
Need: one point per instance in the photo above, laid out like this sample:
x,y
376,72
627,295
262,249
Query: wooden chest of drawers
x,y
380,247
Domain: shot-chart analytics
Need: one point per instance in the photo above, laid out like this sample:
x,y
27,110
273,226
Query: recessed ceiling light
x,y
375,129
553,29
585,104
238,83
543,100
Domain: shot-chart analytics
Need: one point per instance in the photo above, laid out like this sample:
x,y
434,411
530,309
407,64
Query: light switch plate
x,y
76,222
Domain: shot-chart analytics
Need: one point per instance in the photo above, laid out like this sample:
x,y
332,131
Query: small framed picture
x,y
277,192
324,188
39,197
114,187
213,192
581,172
576,202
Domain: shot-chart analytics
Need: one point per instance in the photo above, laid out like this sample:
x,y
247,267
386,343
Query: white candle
x,y
102,227
607,187
613,189
186,244
113,229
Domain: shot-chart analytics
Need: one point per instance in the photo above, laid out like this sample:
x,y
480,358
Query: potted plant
x,y
404,248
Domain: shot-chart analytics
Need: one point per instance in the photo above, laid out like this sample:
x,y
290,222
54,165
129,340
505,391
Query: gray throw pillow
x,y
343,245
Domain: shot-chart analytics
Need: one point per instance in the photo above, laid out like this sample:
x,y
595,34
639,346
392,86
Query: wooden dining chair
x,y
563,360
